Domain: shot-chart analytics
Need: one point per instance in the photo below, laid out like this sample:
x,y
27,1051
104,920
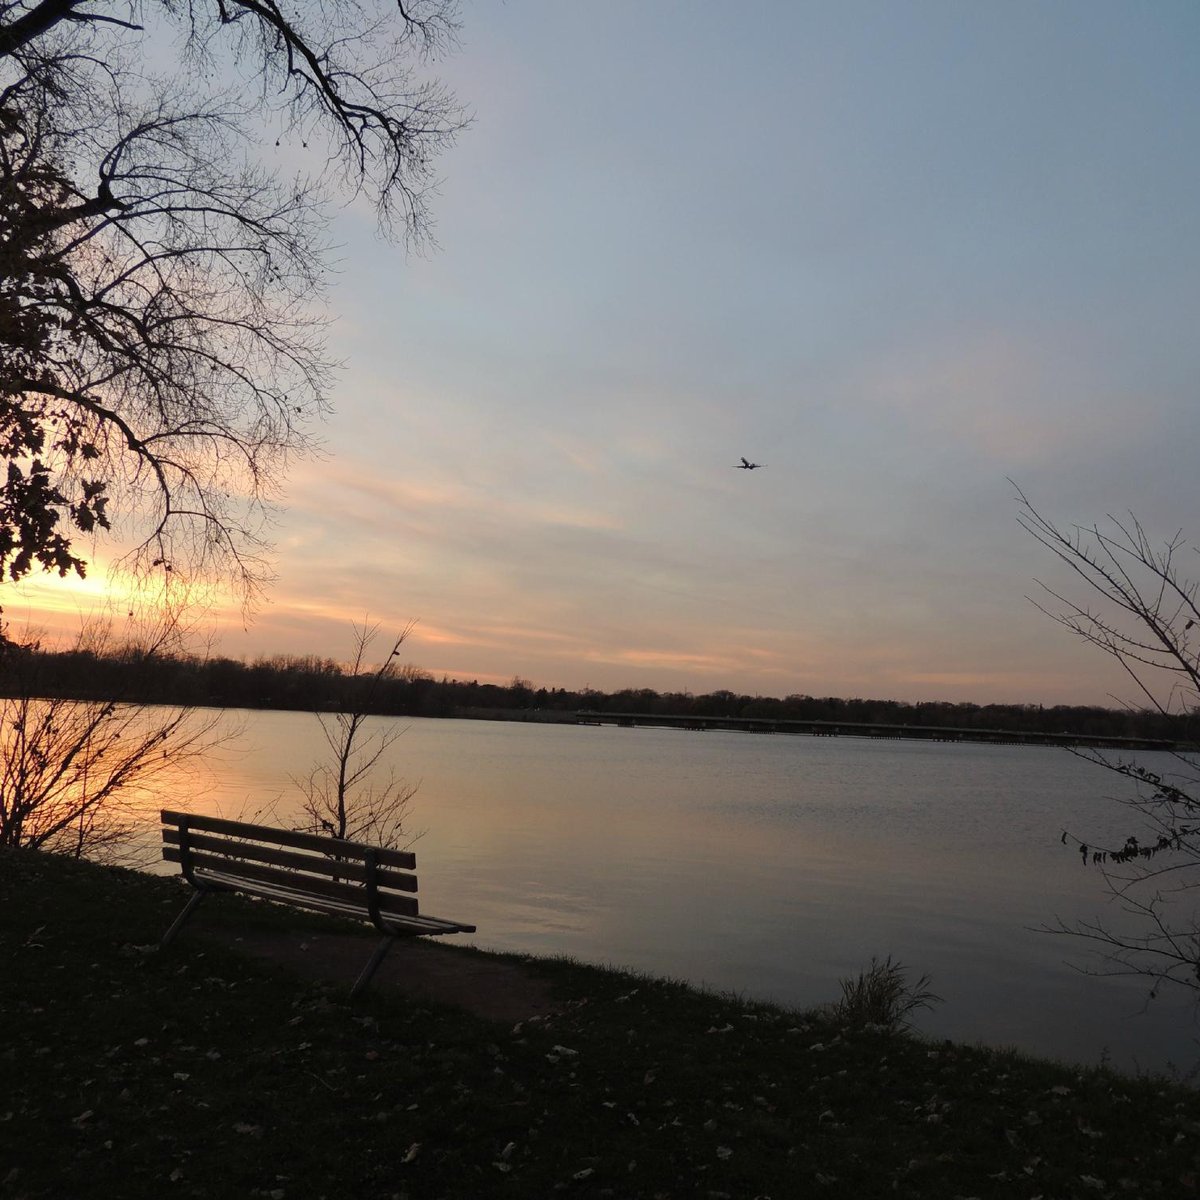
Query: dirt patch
x,y
490,988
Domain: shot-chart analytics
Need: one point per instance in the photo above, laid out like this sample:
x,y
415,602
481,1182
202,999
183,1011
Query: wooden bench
x,y
305,870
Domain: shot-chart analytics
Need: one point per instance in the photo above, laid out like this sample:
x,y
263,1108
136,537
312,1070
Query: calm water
x,y
767,865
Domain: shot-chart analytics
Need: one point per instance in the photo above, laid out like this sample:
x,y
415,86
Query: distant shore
x,y
311,684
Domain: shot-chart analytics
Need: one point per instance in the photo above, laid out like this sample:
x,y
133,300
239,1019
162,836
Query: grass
x,y
196,1073
882,995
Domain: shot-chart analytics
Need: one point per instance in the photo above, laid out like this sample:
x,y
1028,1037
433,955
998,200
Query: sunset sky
x,y
897,252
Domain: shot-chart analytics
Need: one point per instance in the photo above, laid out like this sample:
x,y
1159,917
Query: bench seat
x,y
303,870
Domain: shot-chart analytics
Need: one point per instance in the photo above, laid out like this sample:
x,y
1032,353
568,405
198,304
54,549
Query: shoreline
x,y
207,1071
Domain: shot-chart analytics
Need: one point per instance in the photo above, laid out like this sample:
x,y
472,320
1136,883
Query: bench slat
x,y
348,893
317,864
406,860
420,924
298,898
427,925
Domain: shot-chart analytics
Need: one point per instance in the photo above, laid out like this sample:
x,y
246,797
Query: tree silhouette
x,y
1139,607
161,331
77,775
346,796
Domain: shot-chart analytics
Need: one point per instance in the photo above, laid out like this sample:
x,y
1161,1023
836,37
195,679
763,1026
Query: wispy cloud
x,y
892,280
1006,397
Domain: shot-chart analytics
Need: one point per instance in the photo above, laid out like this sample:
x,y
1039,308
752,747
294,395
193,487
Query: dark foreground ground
x,y
231,1068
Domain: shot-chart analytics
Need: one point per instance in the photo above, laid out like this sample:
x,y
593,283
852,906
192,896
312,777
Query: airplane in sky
x,y
747,465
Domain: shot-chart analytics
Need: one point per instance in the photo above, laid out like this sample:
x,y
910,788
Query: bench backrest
x,y
322,866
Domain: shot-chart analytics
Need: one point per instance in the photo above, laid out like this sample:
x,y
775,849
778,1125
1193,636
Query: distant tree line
x,y
311,683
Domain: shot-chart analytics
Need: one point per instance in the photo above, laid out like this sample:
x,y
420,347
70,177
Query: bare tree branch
x,y
342,797
1141,610
77,776
161,322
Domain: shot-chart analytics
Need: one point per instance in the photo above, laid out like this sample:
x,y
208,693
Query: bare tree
x,y
1139,607
346,796
79,777
161,329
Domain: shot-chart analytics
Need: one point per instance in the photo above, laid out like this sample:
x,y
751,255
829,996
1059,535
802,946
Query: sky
x,y
900,253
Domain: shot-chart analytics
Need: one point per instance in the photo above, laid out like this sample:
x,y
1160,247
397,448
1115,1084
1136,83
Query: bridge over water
x,y
874,729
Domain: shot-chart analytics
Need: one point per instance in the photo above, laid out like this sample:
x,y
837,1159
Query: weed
x,y
881,995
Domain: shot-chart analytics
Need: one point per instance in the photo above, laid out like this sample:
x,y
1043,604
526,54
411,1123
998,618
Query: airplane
x,y
747,465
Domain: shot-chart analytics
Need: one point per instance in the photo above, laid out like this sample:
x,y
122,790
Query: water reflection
x,y
770,866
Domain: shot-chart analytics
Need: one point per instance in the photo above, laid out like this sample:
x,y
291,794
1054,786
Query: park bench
x,y
305,870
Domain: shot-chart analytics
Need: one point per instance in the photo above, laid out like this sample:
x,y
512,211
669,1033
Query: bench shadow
x,y
491,988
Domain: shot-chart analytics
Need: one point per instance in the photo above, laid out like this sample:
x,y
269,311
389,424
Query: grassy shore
x,y
125,1073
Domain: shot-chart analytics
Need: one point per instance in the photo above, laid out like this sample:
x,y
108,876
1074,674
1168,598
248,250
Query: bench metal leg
x,y
360,985
169,936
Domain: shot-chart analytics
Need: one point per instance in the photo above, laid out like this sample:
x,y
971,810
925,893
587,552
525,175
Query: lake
x,y
770,866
